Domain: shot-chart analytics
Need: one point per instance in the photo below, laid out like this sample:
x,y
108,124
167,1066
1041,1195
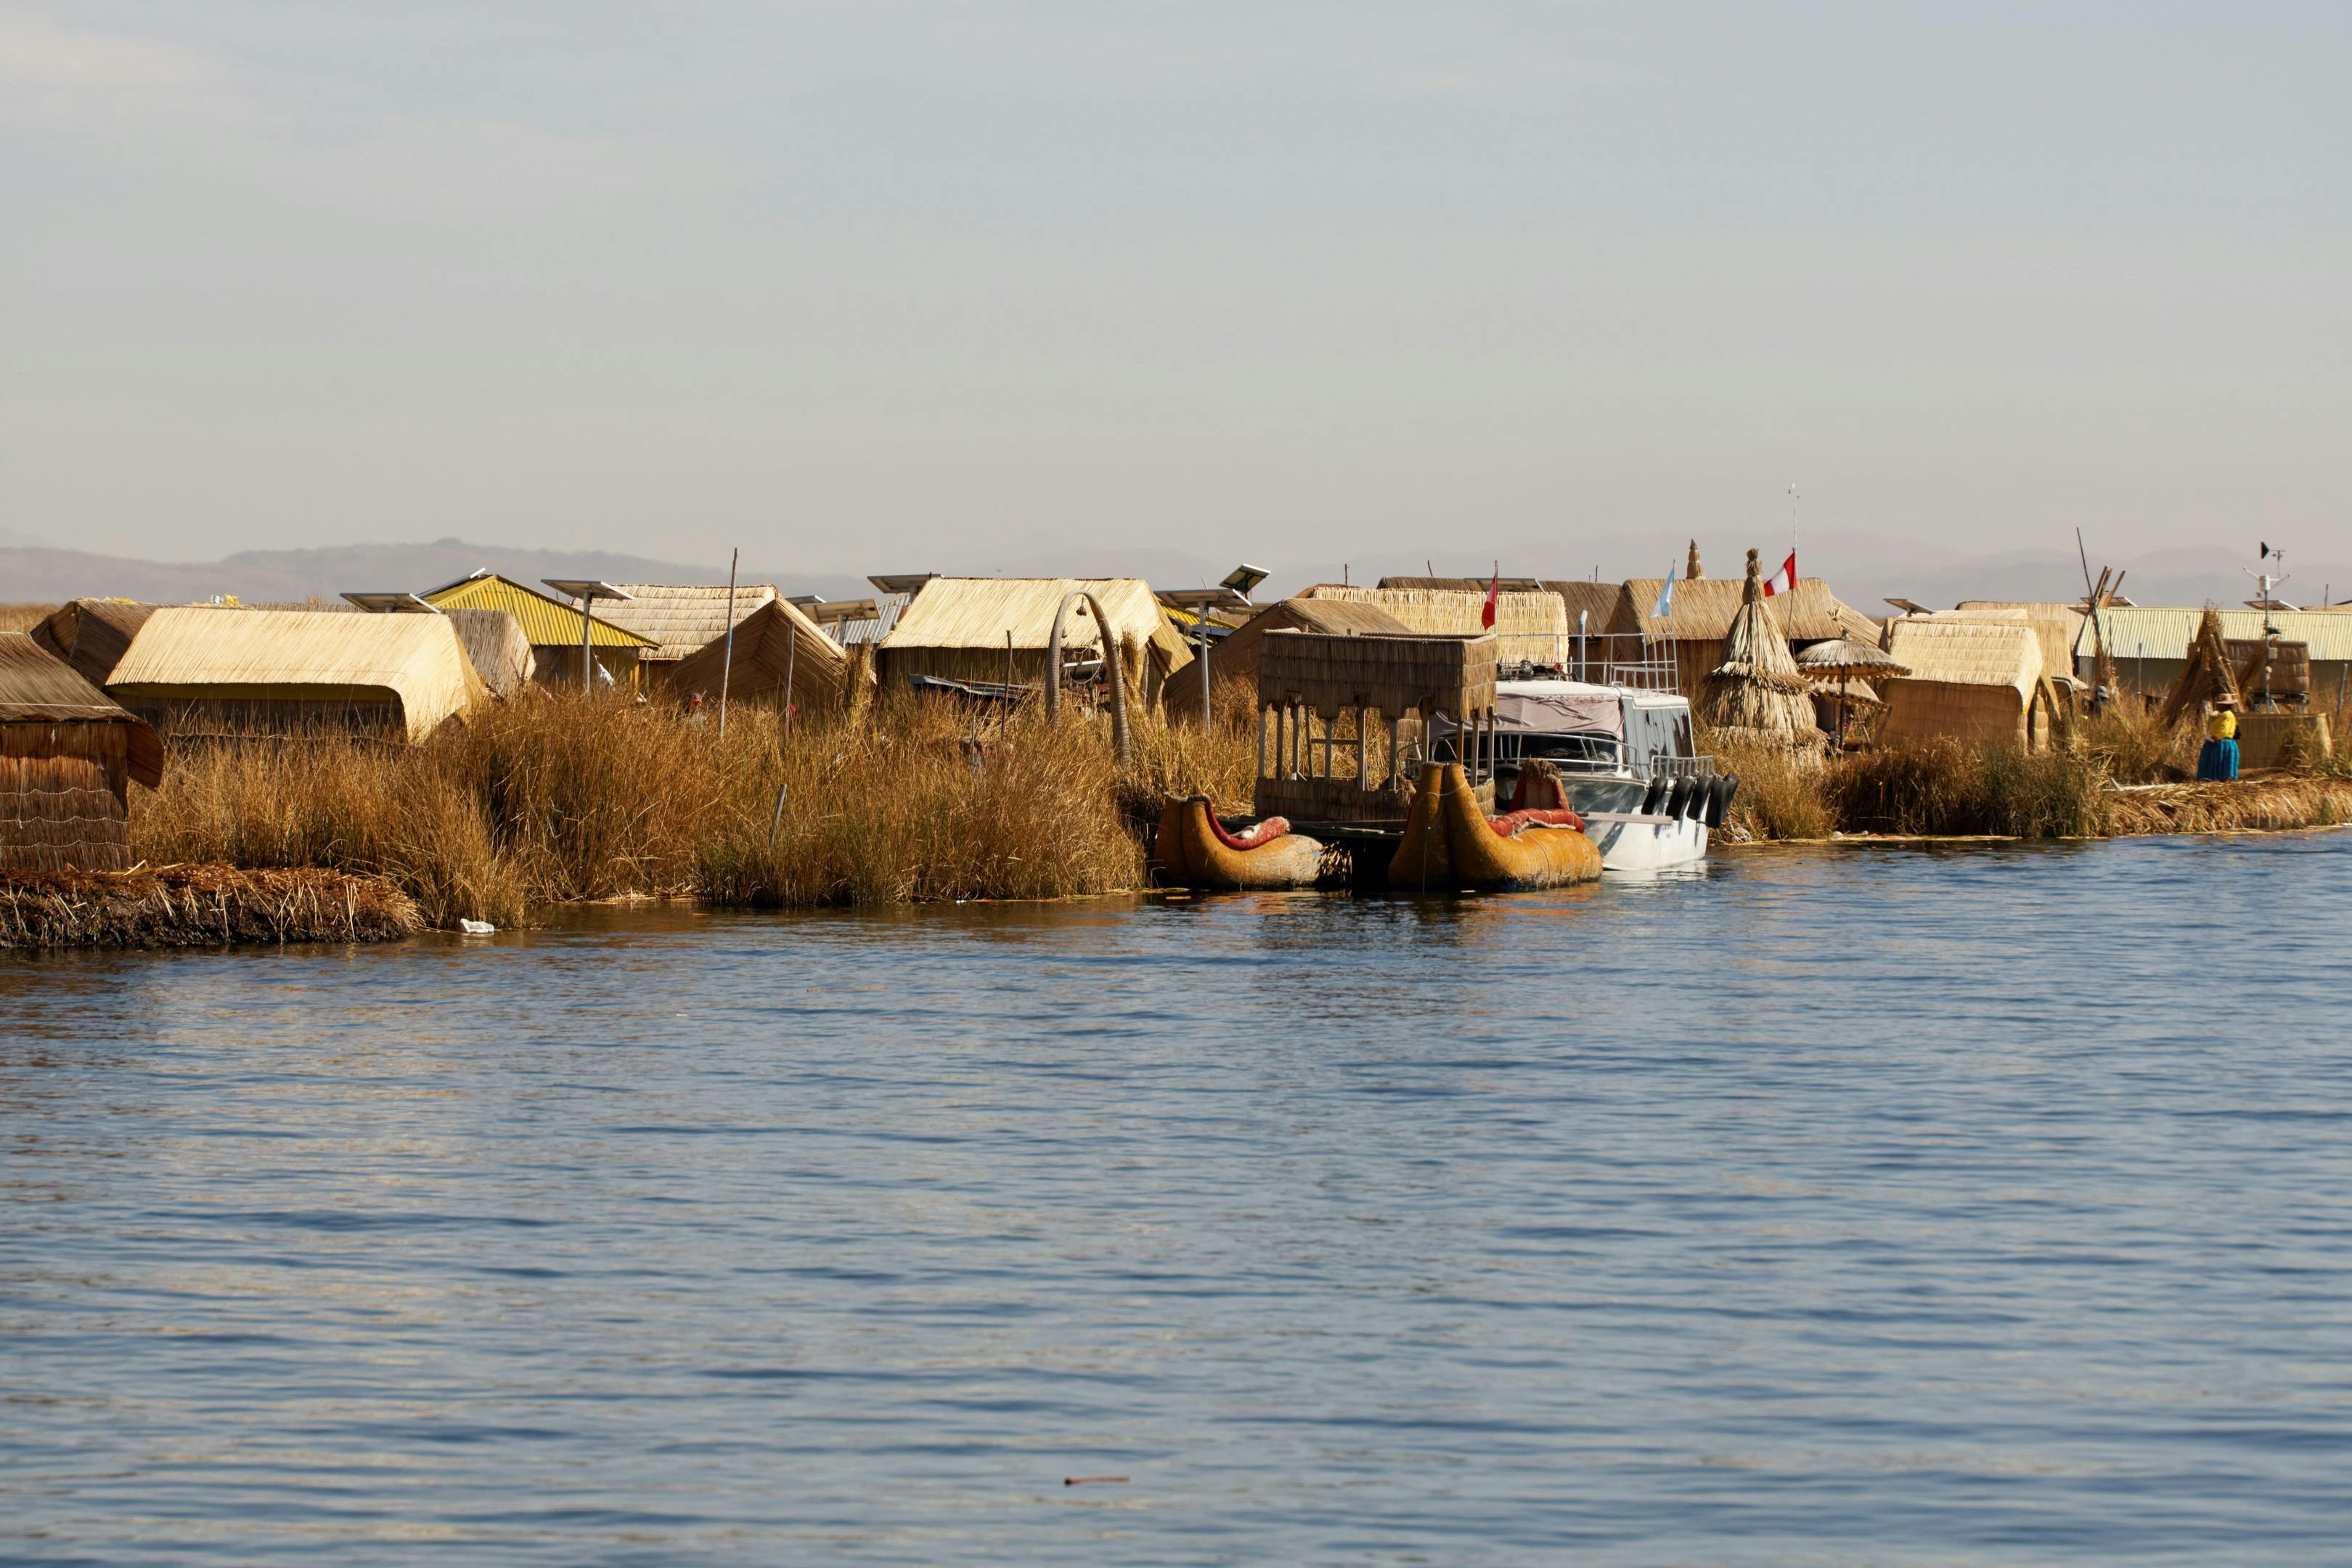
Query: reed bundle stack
x,y
776,643
992,629
2206,678
552,626
1530,624
199,906
248,674
1975,681
68,753
1755,691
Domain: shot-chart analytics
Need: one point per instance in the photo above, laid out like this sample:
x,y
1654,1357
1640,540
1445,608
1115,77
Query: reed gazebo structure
x,y
1755,691
1333,745
1852,665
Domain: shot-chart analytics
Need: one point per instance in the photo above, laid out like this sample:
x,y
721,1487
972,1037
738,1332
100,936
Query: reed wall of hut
x,y
961,628
1237,654
198,674
775,642
68,754
1979,682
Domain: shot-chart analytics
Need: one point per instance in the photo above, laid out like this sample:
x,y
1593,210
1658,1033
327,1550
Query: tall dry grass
x,y
2130,747
1940,789
913,798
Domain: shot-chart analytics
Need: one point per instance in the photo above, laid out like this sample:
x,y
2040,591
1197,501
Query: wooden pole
x,y
791,657
727,664
587,680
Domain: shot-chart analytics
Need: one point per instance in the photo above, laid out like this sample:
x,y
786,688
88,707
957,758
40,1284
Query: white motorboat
x,y
1624,759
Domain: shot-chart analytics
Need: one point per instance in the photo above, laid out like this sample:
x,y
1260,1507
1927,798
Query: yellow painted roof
x,y
546,620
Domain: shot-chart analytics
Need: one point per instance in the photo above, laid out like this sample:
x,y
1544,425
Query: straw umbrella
x,y
1847,660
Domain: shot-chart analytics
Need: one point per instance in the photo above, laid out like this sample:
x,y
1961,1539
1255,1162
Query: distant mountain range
x,y
1862,568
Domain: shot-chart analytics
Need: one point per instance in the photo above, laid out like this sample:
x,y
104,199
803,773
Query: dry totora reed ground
x,y
917,798
199,906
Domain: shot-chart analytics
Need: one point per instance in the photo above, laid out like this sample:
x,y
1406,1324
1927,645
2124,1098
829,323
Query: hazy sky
x,y
853,283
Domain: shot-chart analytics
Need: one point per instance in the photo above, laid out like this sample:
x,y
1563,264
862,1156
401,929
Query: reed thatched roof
x,y
38,689
195,653
495,646
92,635
1529,624
2057,627
1952,651
1845,657
680,619
763,654
976,613
1704,610
2205,672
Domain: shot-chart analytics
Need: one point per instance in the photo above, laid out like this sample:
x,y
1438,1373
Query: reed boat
x,y
1449,843
1619,754
1193,849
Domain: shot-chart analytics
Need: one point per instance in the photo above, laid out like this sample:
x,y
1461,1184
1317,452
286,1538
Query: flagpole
x,y
1792,536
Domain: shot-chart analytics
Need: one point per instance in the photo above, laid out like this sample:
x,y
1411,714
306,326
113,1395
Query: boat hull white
x,y
1630,841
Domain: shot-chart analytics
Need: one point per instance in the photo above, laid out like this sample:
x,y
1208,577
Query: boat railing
x,y
1631,660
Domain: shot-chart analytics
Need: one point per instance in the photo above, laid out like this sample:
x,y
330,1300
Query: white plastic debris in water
x,y
475,928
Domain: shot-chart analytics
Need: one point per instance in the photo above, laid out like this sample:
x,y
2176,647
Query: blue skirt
x,y
2217,760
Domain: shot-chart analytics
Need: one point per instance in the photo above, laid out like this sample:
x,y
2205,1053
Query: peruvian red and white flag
x,y
1487,615
1785,578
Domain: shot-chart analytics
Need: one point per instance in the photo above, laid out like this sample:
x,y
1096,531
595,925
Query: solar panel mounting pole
x,y
727,664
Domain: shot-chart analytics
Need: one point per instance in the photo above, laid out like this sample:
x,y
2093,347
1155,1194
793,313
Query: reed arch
x,y
1121,747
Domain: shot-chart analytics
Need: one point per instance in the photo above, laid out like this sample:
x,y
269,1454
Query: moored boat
x,y
1449,843
1193,849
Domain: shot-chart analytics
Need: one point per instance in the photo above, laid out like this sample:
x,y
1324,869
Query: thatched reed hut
x,y
196,672
1239,652
1702,612
776,642
92,635
680,619
68,753
1332,709
987,628
2057,627
1594,606
1530,626
1754,690
1979,683
552,625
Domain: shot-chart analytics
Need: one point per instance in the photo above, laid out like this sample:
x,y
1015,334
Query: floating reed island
x,y
328,774
199,906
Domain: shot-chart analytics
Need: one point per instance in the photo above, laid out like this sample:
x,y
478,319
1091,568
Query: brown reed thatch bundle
x,y
199,906
2248,806
2205,675
1756,686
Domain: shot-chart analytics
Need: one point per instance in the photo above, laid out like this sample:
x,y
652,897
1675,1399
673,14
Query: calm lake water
x,y
1860,1205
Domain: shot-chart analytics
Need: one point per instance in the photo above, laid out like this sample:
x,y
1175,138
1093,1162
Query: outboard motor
x,y
1659,784
1719,798
1678,794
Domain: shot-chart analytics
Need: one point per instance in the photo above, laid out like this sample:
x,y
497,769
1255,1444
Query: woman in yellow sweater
x,y
2217,760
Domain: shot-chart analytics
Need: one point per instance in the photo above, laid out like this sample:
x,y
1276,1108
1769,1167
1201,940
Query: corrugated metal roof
x,y
547,622
2132,631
